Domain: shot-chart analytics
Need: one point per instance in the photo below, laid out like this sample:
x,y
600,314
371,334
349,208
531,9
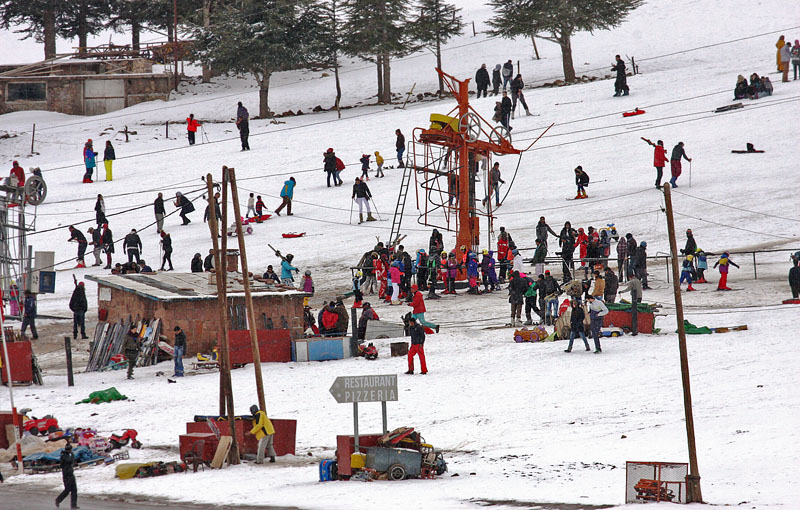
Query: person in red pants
x,y
417,342
724,264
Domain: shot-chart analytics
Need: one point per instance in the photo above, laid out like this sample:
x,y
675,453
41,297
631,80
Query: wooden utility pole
x,y
175,39
225,386
693,493
248,297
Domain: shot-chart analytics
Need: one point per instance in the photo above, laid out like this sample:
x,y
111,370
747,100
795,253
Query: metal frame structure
x,y
446,159
14,226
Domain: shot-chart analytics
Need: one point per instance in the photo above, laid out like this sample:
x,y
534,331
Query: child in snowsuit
x,y
702,265
286,270
724,264
686,272
530,303
417,305
487,272
452,272
379,162
581,181
260,206
472,273
364,166
251,205
307,284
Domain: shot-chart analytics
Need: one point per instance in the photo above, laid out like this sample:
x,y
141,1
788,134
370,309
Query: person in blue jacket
x,y
29,314
286,270
472,273
89,156
287,192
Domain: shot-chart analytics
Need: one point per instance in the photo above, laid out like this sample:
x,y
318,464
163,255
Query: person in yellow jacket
x,y
264,432
379,162
780,44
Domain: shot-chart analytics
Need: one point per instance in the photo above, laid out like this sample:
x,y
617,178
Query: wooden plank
x,y
222,452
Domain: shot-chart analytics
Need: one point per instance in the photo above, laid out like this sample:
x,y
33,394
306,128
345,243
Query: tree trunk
x,y
49,34
535,49
135,32
83,29
439,64
566,56
206,25
263,96
387,80
379,65
338,85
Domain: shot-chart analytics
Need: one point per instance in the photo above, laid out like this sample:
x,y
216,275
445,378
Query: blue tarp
x,y
82,454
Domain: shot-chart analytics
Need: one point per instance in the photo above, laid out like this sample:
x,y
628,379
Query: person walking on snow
x,y
251,205
724,264
67,463
686,272
505,110
265,433
364,167
166,247
185,205
160,212
108,160
576,328
89,156
379,164
659,159
621,83
132,245
597,310
675,163
243,125
779,45
417,305
287,192
417,346
508,72
482,81
191,127
79,305
260,206
100,210
108,244
581,181
400,145
179,349
77,236
362,196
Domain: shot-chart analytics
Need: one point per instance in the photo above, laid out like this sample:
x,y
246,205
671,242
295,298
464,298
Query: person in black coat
x,y
208,262
794,279
497,80
581,181
79,305
67,463
621,83
185,205
505,111
108,244
576,325
100,210
197,263
482,80
400,145
329,162
132,245
160,212
417,346
516,95
243,125
516,291
166,246
77,236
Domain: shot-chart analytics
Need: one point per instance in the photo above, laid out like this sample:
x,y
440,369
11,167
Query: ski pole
x,y
690,174
351,211
376,209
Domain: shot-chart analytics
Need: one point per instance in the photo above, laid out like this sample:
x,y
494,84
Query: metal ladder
x,y
401,204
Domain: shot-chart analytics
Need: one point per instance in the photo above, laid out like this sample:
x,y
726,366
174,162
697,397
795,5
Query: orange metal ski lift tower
x,y
447,159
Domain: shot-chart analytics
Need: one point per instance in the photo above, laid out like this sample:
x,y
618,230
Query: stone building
x,y
189,300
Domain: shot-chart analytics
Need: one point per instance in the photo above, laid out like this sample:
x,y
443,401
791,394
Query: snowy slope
x,y
532,423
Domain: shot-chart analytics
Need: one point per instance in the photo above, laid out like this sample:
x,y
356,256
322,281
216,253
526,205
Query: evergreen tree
x,y
262,38
82,19
435,23
377,31
559,20
129,15
38,19
331,37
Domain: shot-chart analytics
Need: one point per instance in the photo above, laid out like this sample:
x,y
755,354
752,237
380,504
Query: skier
x,y
530,302
505,110
132,245
243,125
260,206
597,310
131,349
364,166
659,159
166,247
576,326
581,181
418,310
482,81
417,347
264,431
686,272
67,463
77,236
635,288
108,159
508,71
79,305
307,286
367,314
379,163
724,264
191,127
621,83
516,95
287,192
400,145
362,195
251,206
496,80
185,205
160,212
108,244
197,263
89,156
286,270
516,290
675,163
100,210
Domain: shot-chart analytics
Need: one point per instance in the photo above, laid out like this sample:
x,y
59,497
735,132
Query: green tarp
x,y
624,306
108,395
691,329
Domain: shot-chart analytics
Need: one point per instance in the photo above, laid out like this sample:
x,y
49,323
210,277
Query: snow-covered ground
x,y
532,423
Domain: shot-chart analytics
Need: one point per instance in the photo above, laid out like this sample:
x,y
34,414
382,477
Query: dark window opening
x,y
27,92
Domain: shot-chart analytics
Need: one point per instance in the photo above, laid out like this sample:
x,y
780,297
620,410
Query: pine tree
x,y
82,19
38,17
129,15
377,31
262,38
435,23
559,20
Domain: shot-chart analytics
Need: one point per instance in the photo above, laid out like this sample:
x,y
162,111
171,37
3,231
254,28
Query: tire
x,y
518,339
34,431
52,429
397,472
136,445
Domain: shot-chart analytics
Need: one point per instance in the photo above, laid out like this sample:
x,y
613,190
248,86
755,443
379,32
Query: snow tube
x,y
633,113
292,235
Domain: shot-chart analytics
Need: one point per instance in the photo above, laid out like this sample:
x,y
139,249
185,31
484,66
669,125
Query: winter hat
x,y
80,284
176,328
688,231
690,257
547,271
515,252
414,287
497,67
643,244
485,252
308,272
330,149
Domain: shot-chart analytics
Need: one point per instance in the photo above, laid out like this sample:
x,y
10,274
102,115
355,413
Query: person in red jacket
x,y
659,159
583,242
17,174
191,127
417,305
417,347
329,318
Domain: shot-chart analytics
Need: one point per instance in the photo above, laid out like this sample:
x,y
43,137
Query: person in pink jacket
x,y
396,276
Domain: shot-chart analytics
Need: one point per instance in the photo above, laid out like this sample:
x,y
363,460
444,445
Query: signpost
x,y
365,388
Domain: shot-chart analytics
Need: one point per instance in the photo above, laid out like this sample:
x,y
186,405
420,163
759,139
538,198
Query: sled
x,y
729,107
635,112
263,217
791,301
292,235
729,329
246,230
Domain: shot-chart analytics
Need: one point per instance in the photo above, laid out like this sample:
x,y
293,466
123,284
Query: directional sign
x,y
365,388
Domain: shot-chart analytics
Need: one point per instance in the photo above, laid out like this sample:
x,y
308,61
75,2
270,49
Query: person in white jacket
x,y
597,310
517,263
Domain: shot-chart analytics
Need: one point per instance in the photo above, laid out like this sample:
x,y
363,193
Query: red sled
x,y
633,113
791,301
247,221
292,235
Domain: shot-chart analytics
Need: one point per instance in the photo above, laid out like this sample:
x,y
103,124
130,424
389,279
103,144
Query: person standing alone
x,y
265,433
400,145
621,83
287,192
417,346
132,349
191,127
67,463
179,349
243,125
362,196
482,80
29,314
108,159
79,305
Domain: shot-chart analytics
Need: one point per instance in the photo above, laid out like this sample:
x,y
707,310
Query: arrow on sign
x,y
365,388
